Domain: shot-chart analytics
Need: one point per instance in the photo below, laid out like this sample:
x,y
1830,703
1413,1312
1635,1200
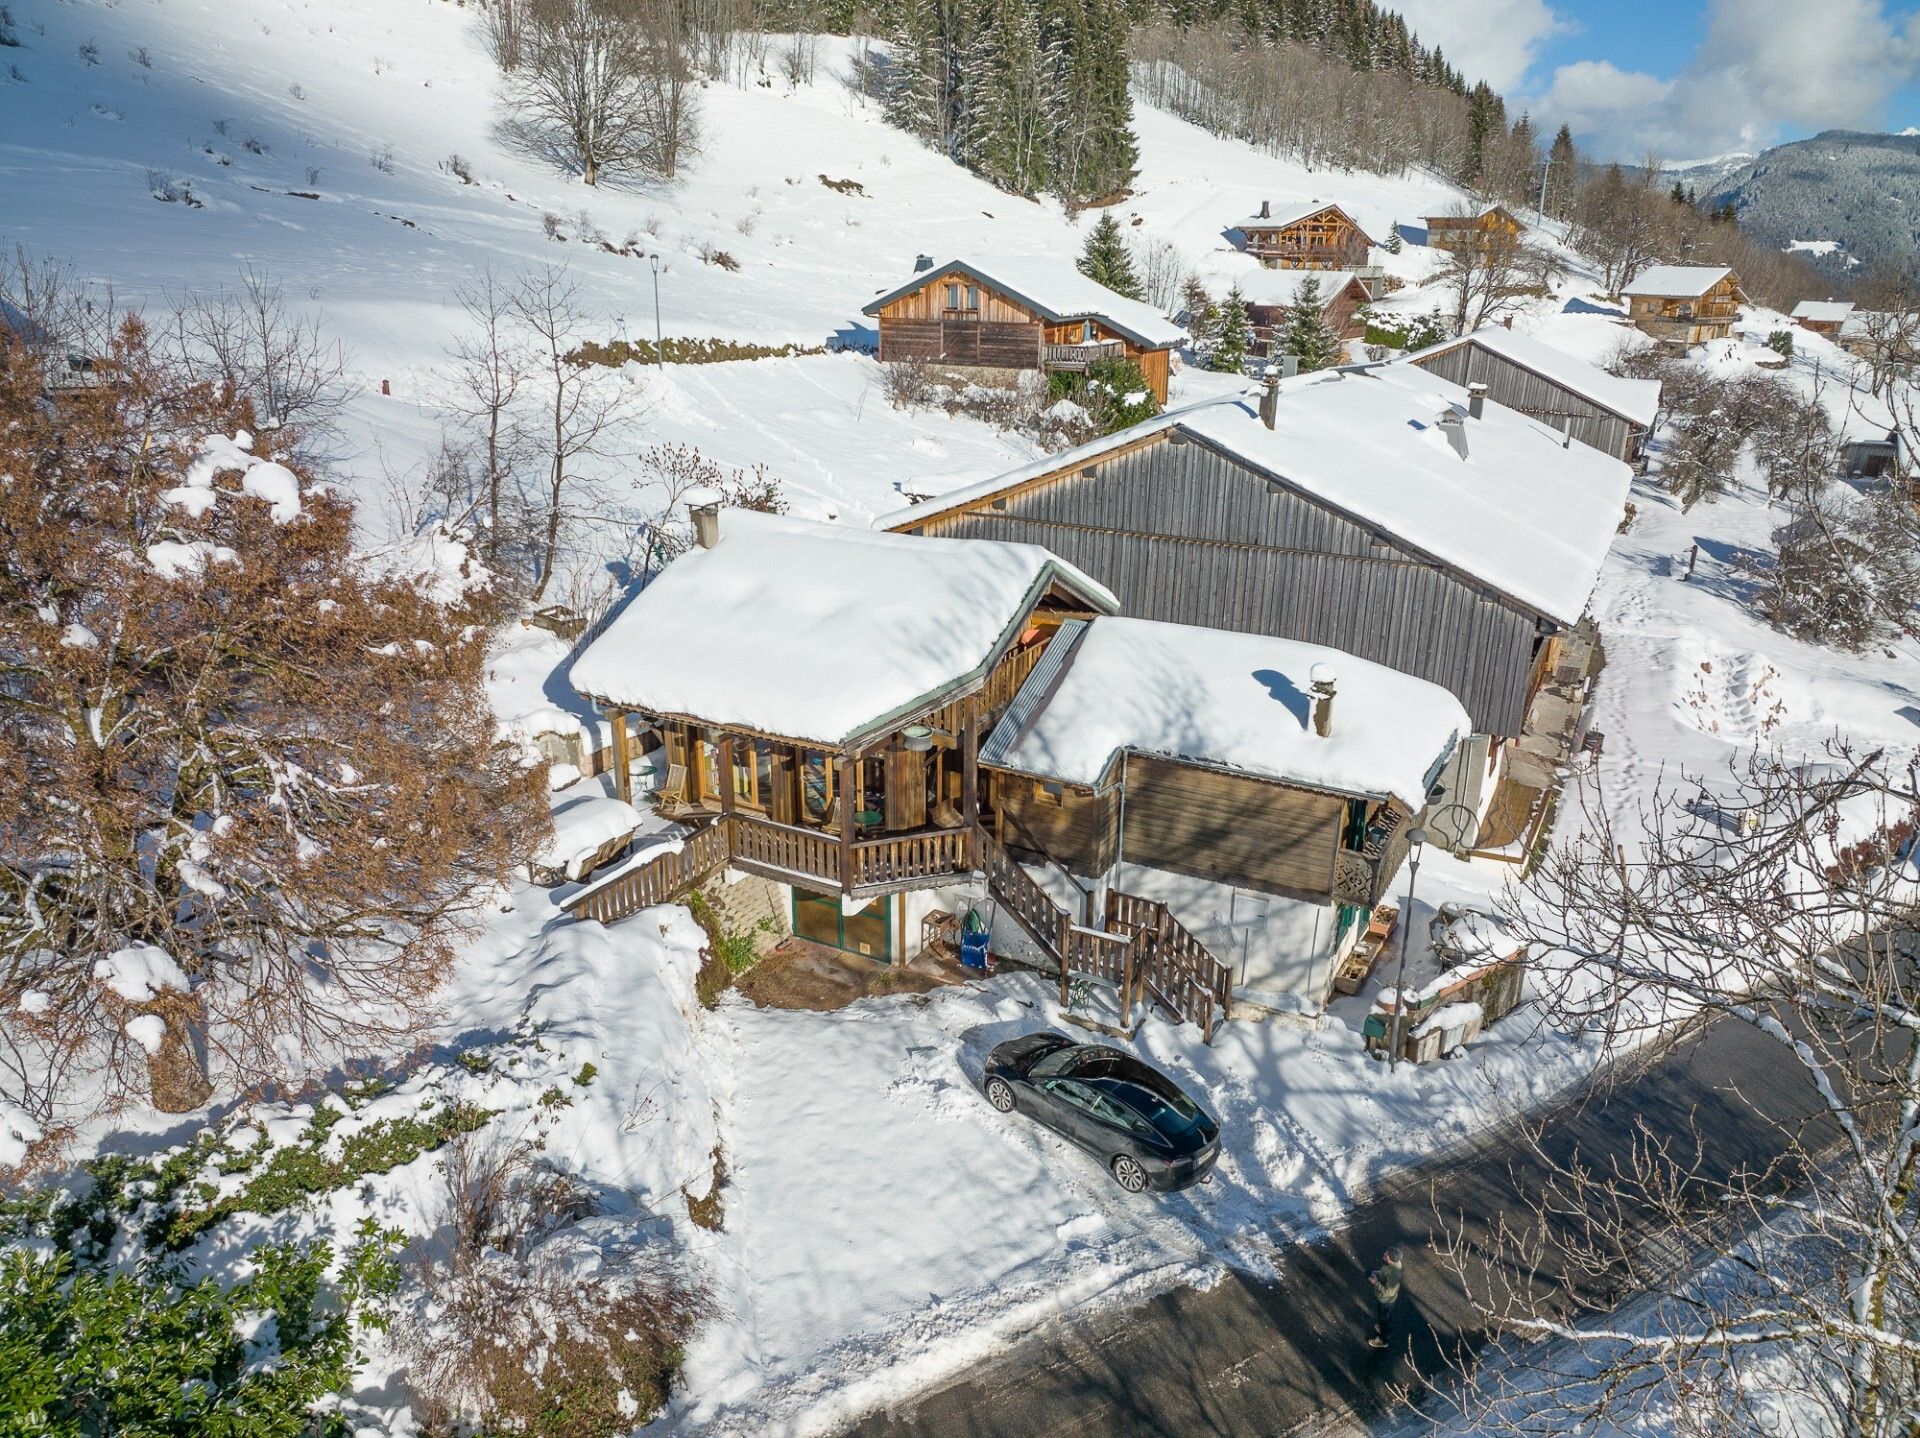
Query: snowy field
x,y
883,1226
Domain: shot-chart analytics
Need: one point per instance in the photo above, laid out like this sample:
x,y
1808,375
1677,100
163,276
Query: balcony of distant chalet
x,y
897,813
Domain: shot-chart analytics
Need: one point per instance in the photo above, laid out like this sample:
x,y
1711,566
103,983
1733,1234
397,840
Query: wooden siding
x,y
962,341
1533,394
1230,829
1326,240
1075,829
1185,534
929,302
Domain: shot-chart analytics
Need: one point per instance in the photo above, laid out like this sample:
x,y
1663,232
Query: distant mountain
x,y
1844,199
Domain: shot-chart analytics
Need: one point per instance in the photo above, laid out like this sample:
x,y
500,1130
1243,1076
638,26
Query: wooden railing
x,y
786,847
1005,680
1031,906
1175,969
1099,954
1079,356
904,858
658,881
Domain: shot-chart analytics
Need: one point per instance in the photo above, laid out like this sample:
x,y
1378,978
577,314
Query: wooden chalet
x,y
816,698
1381,511
1270,294
1239,760
1685,304
1020,313
1309,236
1823,317
1494,224
1612,414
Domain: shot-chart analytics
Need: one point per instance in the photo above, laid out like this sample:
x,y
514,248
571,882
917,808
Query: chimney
x,y
922,262
1455,429
1322,677
1266,209
1476,400
706,523
1270,398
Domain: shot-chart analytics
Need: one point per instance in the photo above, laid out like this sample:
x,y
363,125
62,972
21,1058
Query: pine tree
x,y
1106,260
1307,333
1562,168
1010,119
1678,194
1230,351
1393,244
1202,314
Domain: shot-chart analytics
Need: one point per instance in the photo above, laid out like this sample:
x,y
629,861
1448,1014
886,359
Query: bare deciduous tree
x,y
582,401
604,85
225,832
279,359
490,364
1485,277
1782,898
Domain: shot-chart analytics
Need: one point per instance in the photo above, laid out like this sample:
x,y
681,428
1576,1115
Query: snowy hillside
x,y
273,113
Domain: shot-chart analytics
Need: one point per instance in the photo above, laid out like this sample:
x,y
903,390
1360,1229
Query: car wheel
x,y
1129,1175
1000,1095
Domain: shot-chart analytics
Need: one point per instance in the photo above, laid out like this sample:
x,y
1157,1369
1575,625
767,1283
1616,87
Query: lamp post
x,y
659,345
1416,841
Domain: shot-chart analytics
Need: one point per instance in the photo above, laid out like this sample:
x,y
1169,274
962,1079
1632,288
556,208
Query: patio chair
x,y
671,796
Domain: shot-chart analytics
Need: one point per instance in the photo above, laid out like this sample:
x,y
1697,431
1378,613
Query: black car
x,y
1133,1118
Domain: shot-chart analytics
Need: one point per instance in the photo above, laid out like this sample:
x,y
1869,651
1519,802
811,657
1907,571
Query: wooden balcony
x,y
1294,256
1079,357
818,859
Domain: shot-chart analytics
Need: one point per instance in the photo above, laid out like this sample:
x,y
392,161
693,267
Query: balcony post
x,y
622,764
726,776
849,778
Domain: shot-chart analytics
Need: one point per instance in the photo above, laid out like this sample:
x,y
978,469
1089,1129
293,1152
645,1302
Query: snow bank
x,y
580,827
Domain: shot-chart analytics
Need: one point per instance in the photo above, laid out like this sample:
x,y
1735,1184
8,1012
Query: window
x,y
816,785
1057,1062
973,297
1087,332
953,297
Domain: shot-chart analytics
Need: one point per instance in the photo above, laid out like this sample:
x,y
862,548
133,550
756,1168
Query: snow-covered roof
x,y
1676,281
1635,400
1479,214
1224,700
1823,311
1282,287
1055,289
1525,513
817,631
1293,215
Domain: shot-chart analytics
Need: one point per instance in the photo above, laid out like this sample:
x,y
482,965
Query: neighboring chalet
x,y
1685,304
1020,313
1383,511
1270,294
1312,236
1242,761
1612,414
872,722
1494,224
1823,317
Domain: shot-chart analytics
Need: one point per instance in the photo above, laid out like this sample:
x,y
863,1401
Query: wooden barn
x,y
1310,236
1494,224
1823,317
1381,511
1685,304
1271,294
1020,313
1612,414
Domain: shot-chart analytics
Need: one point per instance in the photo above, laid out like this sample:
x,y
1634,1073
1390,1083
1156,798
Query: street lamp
x,y
659,345
1416,841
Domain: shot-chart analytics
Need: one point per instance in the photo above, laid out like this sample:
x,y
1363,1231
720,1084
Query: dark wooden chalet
x,y
1020,313
1612,414
1310,236
1823,317
1271,294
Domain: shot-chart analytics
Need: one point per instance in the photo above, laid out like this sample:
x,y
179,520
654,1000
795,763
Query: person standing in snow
x,y
1386,1292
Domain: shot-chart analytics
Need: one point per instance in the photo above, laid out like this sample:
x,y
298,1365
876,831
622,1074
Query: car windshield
x,y
1058,1062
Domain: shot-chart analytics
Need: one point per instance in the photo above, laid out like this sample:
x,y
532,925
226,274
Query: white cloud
x,y
1491,40
1765,66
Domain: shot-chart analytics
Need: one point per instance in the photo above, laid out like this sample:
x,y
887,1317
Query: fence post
x,y
1126,984
1066,925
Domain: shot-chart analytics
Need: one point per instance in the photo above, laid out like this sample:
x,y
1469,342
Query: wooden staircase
x,y
1144,951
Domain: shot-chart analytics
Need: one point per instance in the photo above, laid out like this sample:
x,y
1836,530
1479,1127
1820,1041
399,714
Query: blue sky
x,y
1689,79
